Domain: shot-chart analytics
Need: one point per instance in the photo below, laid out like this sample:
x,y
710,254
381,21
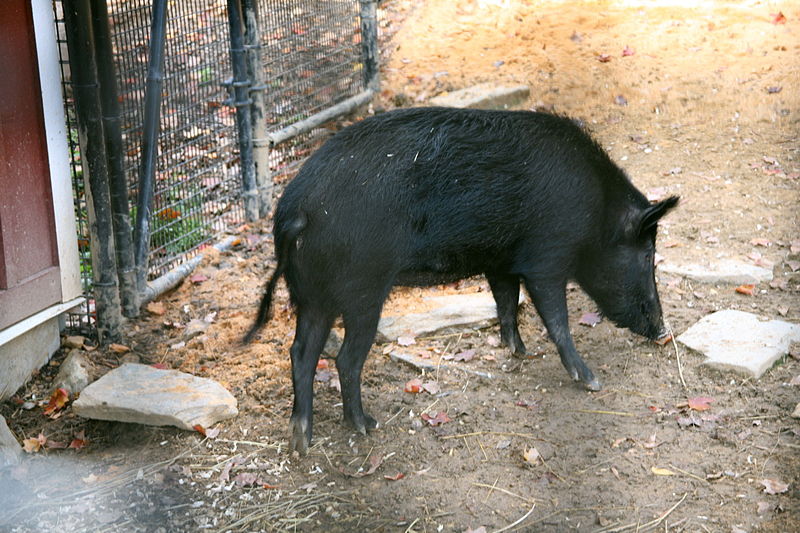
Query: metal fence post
x,y
261,145
241,100
115,153
152,119
80,42
369,43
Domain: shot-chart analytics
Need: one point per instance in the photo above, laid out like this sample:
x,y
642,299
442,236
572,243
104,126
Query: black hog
x,y
430,195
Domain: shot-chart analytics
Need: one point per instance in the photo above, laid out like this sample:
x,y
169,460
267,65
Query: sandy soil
x,y
704,104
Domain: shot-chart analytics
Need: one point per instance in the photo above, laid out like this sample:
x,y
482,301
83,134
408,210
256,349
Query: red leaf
x,y
413,386
57,401
748,289
440,418
398,476
628,51
198,278
700,403
604,58
200,429
79,441
778,18
322,364
160,366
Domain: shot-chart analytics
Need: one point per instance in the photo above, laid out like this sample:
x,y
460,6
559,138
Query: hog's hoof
x,y
592,385
301,436
362,423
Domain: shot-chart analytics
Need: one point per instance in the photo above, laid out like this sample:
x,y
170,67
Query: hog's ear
x,y
651,215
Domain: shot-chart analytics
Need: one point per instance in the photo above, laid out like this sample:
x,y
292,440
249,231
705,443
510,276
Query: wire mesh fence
x,y
311,59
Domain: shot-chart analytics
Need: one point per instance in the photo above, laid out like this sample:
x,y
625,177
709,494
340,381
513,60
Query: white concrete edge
x,y
55,126
23,326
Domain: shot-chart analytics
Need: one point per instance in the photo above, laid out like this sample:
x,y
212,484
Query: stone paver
x,y
484,96
722,271
475,310
10,450
145,395
739,341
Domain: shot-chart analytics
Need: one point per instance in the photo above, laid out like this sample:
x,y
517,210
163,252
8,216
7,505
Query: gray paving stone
x,y
722,271
145,395
10,450
484,96
475,310
739,341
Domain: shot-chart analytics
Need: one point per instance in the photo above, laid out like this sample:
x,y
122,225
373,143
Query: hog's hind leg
x,y
360,327
505,289
550,299
311,333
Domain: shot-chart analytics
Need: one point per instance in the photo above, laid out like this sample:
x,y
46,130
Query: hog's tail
x,y
287,239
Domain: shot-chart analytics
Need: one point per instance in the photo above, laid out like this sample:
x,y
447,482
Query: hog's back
x,y
447,190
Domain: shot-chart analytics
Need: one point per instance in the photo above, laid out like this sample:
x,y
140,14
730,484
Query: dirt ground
x,y
695,98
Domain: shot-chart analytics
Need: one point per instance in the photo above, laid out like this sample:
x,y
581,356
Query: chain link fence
x,y
311,59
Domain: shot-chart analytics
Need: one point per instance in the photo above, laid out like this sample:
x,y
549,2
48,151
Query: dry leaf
x,y
700,403
440,418
413,386
590,319
375,461
431,387
651,442
79,441
398,476
466,355
156,308
661,471
406,340
34,444
747,288
119,348
531,456
57,401
774,486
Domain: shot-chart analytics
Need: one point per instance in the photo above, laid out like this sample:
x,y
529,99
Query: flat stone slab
x,y
475,310
484,96
10,450
722,271
145,395
739,341
431,366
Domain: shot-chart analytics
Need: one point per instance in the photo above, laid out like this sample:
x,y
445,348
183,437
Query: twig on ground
x,y
644,527
516,523
600,412
502,433
677,356
504,491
